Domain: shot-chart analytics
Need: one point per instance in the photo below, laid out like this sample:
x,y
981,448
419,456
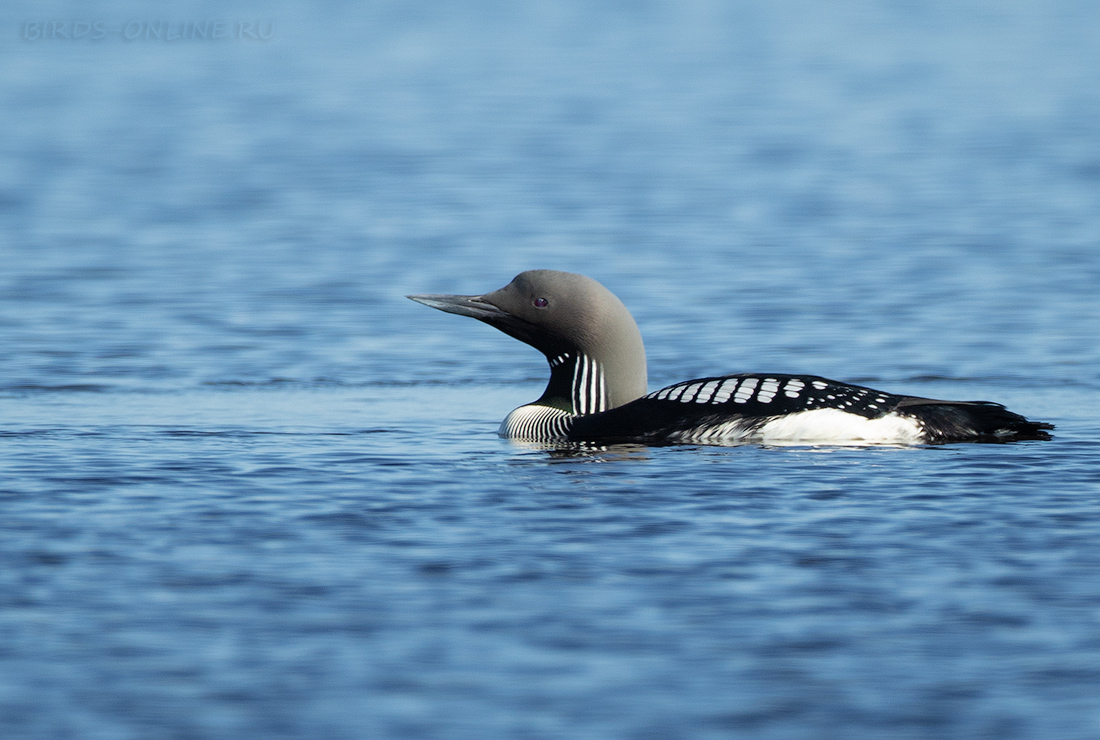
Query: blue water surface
x,y
248,490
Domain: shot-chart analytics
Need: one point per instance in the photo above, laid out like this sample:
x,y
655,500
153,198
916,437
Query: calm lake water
x,y
247,490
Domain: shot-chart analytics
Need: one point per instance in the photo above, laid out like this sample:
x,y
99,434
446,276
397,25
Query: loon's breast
x,y
537,423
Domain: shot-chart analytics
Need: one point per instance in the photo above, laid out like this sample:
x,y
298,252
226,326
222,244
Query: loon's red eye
x,y
541,303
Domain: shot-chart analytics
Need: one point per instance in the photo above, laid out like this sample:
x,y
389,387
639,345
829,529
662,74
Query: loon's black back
x,y
746,402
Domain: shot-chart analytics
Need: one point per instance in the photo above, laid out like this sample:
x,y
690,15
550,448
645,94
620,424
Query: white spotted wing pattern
x,y
777,394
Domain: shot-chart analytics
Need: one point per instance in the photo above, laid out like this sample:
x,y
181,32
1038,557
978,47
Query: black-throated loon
x,y
597,389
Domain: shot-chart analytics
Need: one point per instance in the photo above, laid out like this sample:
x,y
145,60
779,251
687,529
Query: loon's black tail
x,y
972,421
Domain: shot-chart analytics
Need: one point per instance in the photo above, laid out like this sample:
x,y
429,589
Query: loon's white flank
x,y
819,426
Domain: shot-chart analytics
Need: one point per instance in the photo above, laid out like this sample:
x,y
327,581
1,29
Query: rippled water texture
x,y
248,490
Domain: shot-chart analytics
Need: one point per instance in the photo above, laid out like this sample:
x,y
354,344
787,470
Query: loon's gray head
x,y
585,332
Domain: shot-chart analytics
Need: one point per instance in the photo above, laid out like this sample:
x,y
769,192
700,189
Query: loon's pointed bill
x,y
463,305
483,308
597,388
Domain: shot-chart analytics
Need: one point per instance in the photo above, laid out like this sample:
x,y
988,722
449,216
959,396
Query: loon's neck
x,y
578,384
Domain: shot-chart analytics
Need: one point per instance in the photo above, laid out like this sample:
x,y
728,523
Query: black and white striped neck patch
x,y
589,387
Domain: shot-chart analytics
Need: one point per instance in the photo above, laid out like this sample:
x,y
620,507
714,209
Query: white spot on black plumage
x,y
706,393
724,391
768,388
691,390
793,388
745,390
